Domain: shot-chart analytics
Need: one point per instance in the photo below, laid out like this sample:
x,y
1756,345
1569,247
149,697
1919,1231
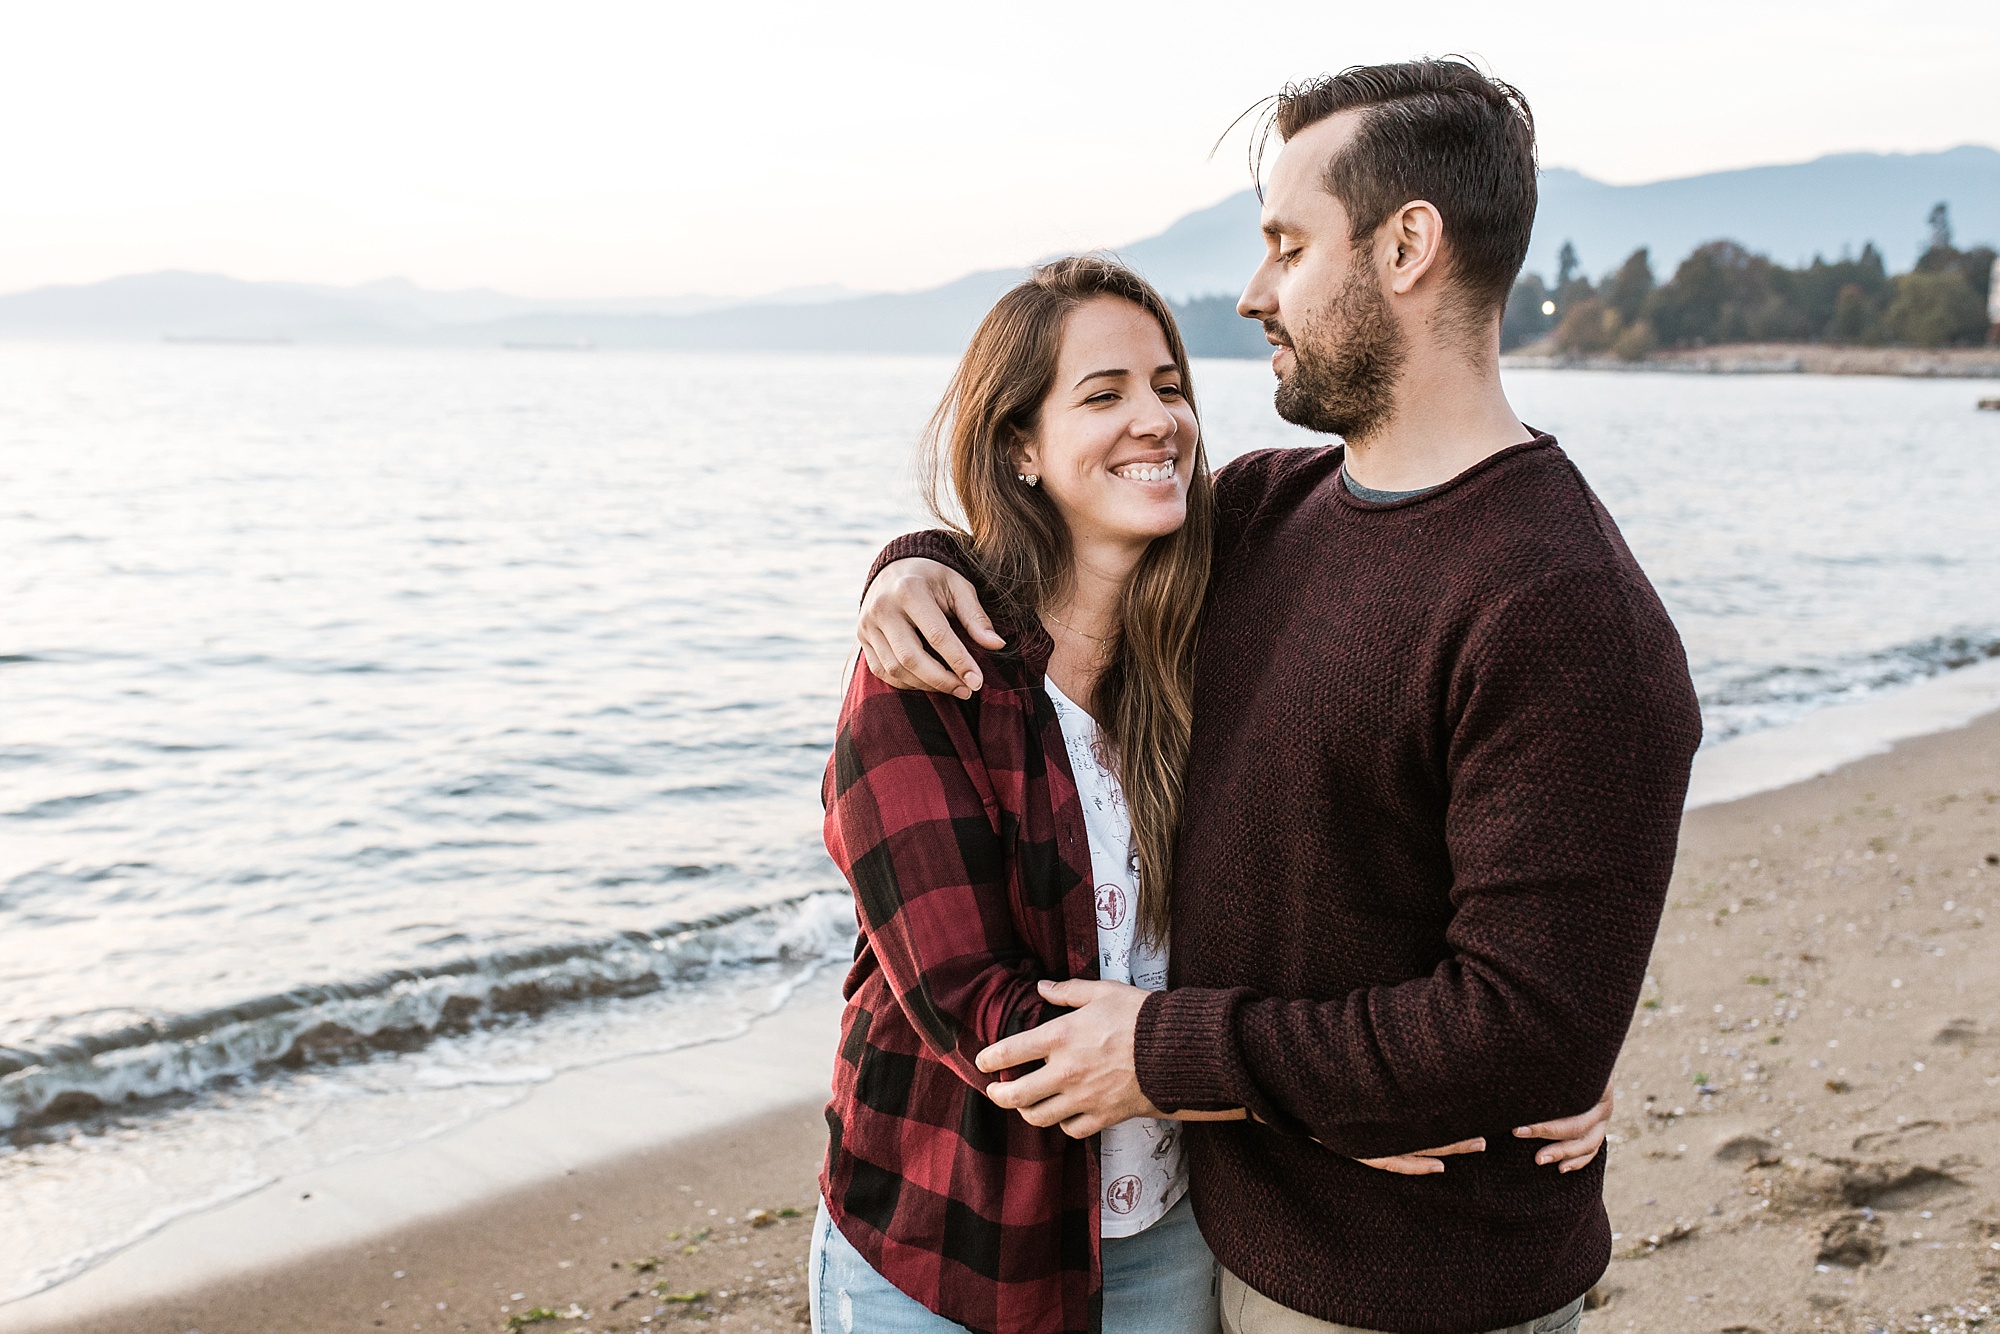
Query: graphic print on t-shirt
x,y
1143,1171
1111,907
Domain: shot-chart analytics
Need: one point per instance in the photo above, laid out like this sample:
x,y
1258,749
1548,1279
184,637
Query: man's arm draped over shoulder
x,y
1572,728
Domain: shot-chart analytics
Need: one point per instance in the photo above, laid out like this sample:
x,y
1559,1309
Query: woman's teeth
x,y
1147,472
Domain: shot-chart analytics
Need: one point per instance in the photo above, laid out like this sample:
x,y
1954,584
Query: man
x,y
1442,737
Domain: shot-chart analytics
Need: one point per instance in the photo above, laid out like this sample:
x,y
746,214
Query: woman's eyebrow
x,y
1117,374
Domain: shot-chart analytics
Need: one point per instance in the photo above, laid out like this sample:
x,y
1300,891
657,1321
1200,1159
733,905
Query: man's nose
x,y
1260,295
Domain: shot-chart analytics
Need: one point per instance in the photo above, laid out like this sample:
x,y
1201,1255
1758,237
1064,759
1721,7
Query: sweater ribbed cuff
x,y
932,544
1181,1049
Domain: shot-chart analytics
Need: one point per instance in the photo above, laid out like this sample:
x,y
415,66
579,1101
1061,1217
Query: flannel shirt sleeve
x,y
912,823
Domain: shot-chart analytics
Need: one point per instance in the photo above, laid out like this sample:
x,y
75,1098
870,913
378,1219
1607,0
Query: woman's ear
x,y
1022,456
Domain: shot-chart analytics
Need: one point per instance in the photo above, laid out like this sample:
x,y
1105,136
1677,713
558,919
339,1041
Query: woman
x,y
1026,833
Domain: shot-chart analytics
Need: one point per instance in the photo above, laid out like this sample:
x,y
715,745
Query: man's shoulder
x,y
1533,513
1267,482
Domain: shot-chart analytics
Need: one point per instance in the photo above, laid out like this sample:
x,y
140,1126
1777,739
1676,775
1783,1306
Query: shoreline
x,y
1952,363
738,1117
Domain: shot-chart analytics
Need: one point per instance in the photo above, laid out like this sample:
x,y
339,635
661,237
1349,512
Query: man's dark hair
x,y
1438,130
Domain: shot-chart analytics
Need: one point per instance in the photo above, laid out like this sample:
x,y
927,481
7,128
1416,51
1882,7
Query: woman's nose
x,y
1159,422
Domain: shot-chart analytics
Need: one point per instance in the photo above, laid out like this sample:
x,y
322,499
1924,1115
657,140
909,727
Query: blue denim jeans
x,y
1162,1281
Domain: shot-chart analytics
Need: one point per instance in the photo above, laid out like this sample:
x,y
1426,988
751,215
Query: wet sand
x,y
666,1238
1809,1116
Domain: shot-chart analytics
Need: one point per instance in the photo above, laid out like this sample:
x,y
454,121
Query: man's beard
x,y
1345,365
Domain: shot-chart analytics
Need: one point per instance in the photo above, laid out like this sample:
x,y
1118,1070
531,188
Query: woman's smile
x,y
1141,470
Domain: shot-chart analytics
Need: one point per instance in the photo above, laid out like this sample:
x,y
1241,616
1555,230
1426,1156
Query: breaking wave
x,y
1774,696
400,1010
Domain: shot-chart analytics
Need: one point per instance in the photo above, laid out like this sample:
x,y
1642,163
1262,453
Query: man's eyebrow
x,y
1278,227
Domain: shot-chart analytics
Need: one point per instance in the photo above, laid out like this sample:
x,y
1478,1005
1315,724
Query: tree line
x,y
1722,293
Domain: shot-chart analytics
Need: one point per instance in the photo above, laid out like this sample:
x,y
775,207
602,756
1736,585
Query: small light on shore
x,y
1548,307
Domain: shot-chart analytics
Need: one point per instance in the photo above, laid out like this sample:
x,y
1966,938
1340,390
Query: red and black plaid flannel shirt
x,y
958,824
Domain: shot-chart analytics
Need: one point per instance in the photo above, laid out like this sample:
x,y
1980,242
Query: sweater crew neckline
x,y
1539,440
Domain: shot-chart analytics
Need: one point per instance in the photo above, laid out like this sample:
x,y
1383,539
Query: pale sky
x,y
619,149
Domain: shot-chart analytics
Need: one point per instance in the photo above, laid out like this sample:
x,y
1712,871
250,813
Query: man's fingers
x,y
965,606
936,629
1083,1126
1404,1165
1050,1109
1477,1144
1072,993
1033,1045
913,666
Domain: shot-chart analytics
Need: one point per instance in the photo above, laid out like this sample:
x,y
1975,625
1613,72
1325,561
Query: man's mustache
x,y
1275,332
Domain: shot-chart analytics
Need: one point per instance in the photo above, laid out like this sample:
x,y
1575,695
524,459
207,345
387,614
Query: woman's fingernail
x,y
1522,1132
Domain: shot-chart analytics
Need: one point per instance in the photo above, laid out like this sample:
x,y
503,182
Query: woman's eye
x,y
1170,390
1106,397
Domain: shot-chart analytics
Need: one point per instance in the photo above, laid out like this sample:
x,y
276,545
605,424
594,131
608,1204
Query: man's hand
x,y
1578,1137
1087,1082
908,607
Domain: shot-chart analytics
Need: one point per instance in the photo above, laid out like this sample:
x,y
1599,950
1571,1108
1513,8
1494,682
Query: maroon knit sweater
x,y
1440,751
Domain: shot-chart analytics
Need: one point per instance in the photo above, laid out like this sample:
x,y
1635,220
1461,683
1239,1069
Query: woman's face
x,y
1115,429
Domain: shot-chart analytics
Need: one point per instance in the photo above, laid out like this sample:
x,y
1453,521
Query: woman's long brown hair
x,y
1143,699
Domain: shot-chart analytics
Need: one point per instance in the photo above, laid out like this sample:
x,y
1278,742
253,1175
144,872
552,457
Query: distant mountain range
x,y
1827,206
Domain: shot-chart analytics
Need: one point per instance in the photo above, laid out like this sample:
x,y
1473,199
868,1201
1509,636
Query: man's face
x,y
1320,296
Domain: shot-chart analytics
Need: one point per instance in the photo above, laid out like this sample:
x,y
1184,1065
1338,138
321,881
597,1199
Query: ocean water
x,y
383,731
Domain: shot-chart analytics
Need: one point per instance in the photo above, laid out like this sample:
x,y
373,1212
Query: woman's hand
x,y
1424,1162
1578,1138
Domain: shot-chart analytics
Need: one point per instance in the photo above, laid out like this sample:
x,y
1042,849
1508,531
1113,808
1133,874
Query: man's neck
x,y
1451,412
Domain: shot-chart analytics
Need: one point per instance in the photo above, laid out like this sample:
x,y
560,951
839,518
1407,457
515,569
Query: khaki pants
x,y
1248,1311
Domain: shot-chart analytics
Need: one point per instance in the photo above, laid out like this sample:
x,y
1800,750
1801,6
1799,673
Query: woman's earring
x,y
1032,479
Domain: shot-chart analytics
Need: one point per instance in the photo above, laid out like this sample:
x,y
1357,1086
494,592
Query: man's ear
x,y
1415,243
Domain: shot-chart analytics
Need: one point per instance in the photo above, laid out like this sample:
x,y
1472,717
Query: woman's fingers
x,y
1572,1153
1424,1162
1477,1144
1572,1127
1404,1165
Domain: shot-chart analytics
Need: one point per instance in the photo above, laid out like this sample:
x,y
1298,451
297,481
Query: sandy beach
x,y
1805,1135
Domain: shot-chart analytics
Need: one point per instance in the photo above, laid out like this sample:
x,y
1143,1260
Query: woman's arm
x,y
909,822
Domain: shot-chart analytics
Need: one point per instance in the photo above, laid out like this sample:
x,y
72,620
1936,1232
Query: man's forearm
x,y
929,544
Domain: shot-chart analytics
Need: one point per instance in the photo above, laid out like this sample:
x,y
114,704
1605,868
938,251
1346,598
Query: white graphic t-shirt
x,y
1140,1160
